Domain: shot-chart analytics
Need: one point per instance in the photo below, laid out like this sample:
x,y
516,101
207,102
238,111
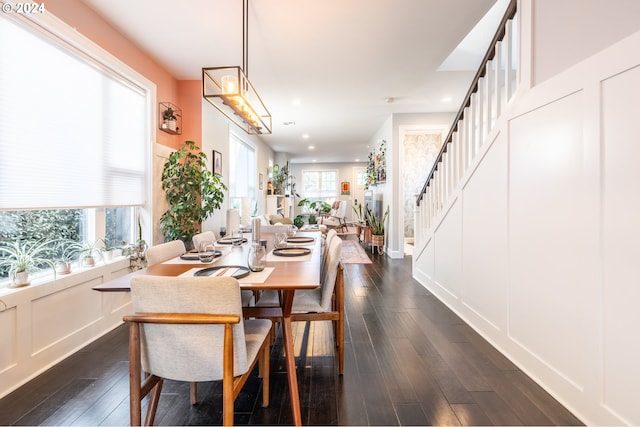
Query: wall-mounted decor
x,y
170,118
217,162
260,181
345,188
377,166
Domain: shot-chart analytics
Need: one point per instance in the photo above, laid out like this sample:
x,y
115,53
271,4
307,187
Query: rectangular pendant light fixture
x,y
230,91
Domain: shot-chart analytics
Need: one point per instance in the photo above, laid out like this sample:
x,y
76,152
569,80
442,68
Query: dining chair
x,y
331,234
203,237
191,329
323,303
165,251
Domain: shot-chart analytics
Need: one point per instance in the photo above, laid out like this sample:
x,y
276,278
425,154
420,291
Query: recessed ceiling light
x,y
314,160
296,102
305,136
311,147
357,160
447,99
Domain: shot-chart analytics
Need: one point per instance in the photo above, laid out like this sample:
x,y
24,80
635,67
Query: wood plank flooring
x,y
409,360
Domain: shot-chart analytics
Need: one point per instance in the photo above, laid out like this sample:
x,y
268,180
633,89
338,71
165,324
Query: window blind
x,y
242,173
73,133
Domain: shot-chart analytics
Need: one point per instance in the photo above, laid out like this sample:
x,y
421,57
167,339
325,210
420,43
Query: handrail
x,y
499,35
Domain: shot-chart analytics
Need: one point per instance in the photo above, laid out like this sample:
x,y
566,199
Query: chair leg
x,y
193,392
264,371
153,403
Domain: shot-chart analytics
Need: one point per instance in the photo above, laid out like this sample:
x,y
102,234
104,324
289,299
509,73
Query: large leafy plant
x,y
192,191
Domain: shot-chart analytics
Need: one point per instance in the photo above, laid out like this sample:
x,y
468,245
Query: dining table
x,y
286,274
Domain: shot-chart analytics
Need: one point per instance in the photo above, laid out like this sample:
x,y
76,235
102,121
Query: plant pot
x,y
377,241
88,261
169,124
20,279
63,267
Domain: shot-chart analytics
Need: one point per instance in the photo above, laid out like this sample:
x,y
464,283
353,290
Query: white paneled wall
x,y
44,323
537,246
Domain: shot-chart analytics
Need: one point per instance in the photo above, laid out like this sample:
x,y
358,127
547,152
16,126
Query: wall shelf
x,y
170,118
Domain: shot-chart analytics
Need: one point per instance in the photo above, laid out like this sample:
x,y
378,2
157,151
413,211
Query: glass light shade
x,y
229,90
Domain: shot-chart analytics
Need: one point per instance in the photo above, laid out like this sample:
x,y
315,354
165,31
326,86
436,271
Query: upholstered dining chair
x,y
191,329
203,237
165,251
324,303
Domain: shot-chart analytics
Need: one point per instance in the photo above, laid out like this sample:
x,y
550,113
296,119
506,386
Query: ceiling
x,y
336,68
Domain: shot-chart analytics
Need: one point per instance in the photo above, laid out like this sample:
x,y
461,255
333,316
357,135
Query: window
x,y
242,176
320,185
75,136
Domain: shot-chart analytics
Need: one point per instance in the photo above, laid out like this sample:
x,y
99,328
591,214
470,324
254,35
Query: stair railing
x,y
491,89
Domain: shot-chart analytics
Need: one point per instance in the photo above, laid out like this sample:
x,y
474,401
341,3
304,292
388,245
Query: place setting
x,y
283,251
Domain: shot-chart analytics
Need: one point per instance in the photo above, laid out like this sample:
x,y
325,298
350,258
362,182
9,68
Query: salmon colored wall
x,y
93,26
190,100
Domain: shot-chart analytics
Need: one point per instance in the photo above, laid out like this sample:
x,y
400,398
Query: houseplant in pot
x,y
89,251
67,251
192,191
23,258
169,119
377,226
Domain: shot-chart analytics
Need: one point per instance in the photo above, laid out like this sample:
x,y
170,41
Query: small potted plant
x,y
23,258
377,225
169,119
89,252
110,249
67,252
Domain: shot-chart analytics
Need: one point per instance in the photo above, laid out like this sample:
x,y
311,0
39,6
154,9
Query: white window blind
x,y
72,132
242,173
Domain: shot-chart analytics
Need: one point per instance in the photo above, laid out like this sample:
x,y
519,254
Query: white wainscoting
x,y
538,248
44,323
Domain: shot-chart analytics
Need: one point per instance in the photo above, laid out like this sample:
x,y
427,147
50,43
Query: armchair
x,y
191,329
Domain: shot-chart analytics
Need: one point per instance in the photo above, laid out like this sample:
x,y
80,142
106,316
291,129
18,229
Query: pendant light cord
x,y
245,36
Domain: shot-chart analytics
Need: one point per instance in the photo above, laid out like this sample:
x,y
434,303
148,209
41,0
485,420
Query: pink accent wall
x,y
182,93
190,100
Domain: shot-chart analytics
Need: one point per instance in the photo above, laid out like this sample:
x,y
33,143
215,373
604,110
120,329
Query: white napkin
x,y
253,277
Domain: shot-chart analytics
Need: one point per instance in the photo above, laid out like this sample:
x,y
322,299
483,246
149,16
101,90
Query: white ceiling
x,y
327,65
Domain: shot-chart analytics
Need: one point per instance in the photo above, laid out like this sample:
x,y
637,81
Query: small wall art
x,y
217,162
345,188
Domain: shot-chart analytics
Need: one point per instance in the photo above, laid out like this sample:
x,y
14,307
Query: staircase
x,y
491,90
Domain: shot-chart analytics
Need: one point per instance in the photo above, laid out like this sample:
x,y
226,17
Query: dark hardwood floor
x,y
408,361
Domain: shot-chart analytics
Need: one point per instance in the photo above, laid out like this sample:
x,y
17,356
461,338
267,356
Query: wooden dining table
x,y
288,275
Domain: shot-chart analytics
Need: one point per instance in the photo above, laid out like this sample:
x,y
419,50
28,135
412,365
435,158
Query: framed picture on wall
x,y
345,188
217,162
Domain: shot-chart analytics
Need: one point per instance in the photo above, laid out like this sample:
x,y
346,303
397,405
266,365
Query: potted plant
x,y
298,221
23,258
88,253
67,252
192,191
109,249
377,225
169,119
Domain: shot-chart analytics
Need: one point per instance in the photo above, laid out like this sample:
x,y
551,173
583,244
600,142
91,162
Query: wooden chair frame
x,y
231,385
